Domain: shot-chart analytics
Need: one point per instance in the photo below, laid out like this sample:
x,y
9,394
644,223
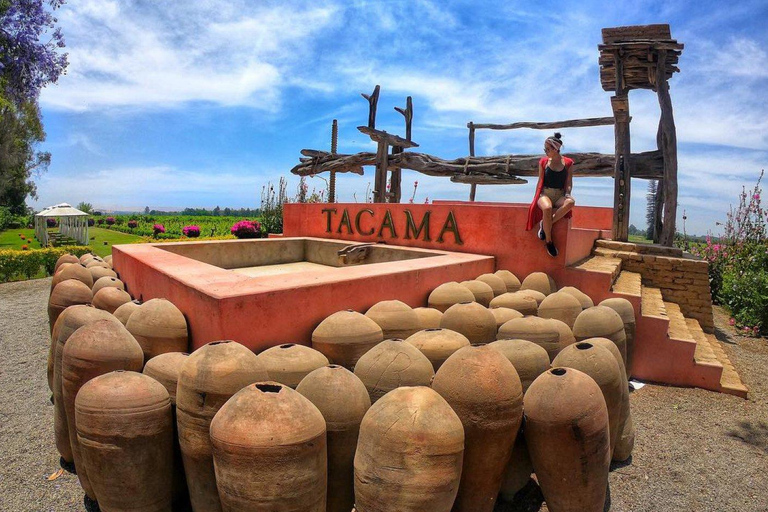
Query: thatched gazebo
x,y
73,223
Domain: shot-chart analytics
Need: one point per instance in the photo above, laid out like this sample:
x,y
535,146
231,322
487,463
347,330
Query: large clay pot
x,y
289,363
504,315
538,330
108,259
324,387
582,297
104,282
99,272
482,292
109,298
85,258
448,294
537,295
159,327
269,447
472,320
396,319
429,318
94,349
483,388
392,364
599,364
345,336
567,434
602,322
520,302
540,282
496,283
561,306
208,378
94,263
627,313
438,344
566,334
72,271
65,258
124,311
125,430
510,280
67,293
519,469
409,454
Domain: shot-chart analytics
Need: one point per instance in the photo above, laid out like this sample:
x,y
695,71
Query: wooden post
x,y
473,186
622,172
395,192
667,139
373,100
334,144
380,192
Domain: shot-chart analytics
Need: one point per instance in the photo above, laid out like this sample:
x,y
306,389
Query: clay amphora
x,y
495,282
208,378
429,318
109,298
108,259
504,315
541,331
566,334
483,388
567,433
159,327
448,294
602,322
343,400
482,292
540,282
289,363
472,320
107,281
438,344
125,431
519,469
599,364
99,272
409,454
582,297
561,306
97,263
345,336
85,258
525,304
510,280
72,271
67,293
396,319
392,364
124,311
627,313
537,295
269,447
65,258
92,350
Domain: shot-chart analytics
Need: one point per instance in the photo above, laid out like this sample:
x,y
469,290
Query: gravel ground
x,y
695,450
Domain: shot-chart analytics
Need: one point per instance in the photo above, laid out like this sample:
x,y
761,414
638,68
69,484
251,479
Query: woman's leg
x,y
563,205
546,212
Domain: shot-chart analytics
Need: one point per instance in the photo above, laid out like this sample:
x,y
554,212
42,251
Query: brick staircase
x,y
670,347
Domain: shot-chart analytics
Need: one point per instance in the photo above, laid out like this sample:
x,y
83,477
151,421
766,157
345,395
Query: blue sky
x,y
175,104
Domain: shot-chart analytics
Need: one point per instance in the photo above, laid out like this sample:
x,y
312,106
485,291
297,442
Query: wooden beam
x,y
571,123
634,32
373,100
622,170
388,138
667,140
487,179
473,186
382,165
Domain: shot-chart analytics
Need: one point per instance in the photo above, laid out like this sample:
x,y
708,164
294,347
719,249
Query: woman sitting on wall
x,y
553,199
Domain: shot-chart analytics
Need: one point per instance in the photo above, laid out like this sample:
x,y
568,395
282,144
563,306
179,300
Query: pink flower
x,y
732,321
410,200
756,197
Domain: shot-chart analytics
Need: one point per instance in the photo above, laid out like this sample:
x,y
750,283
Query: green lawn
x,y
639,239
101,241
10,239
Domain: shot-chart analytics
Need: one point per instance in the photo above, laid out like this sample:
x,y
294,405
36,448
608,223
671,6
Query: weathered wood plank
x,y
633,32
668,147
571,123
486,179
622,168
382,136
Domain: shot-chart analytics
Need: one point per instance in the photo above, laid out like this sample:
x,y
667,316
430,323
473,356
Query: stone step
x,y
600,264
704,353
678,328
651,302
657,250
628,283
730,382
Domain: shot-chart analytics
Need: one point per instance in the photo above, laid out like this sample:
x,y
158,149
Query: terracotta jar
x,y
540,282
519,469
67,293
345,336
520,302
561,306
483,388
537,295
65,258
538,330
99,272
482,292
208,378
396,319
429,318
72,271
94,263
159,327
448,294
85,258
409,454
269,447
566,431
566,334
126,441
504,315
438,344
510,280
108,259
599,364
107,281
602,322
496,283
582,297
124,311
289,363
472,320
627,313
392,364
109,298
94,349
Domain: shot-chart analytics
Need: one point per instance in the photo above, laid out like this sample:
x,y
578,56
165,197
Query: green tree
x,y
85,207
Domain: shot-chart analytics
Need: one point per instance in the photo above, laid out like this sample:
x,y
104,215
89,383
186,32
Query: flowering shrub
x,y
110,221
192,231
51,222
157,229
28,263
133,224
100,222
91,222
22,237
246,229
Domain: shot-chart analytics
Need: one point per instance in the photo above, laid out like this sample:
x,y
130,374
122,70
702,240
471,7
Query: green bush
x,y
18,265
745,292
